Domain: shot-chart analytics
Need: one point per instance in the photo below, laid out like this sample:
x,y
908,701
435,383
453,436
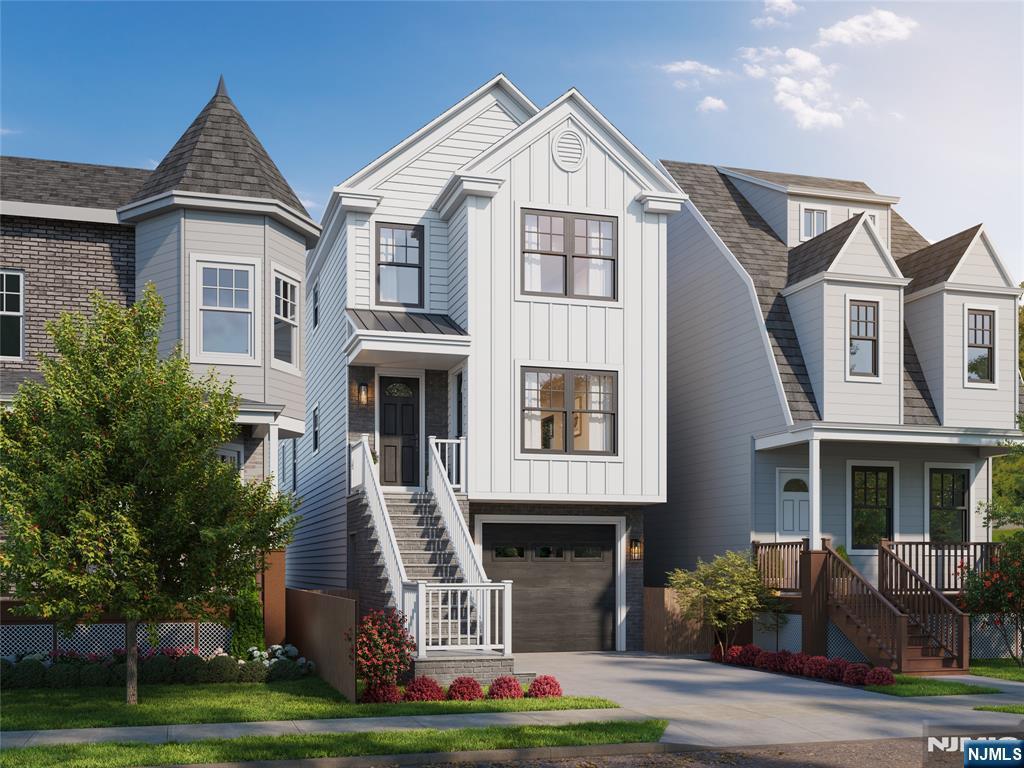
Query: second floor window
x,y
569,255
12,314
316,305
815,221
569,411
400,265
286,323
864,338
316,428
226,310
980,346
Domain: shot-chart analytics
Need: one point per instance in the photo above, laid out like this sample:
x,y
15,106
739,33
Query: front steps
x,y
422,539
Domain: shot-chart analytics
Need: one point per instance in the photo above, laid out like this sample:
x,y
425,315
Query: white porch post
x,y
270,461
814,488
421,619
506,617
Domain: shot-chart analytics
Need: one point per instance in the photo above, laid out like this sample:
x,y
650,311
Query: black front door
x,y
399,431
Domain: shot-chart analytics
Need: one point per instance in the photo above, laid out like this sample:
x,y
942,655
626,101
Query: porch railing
x,y
463,617
451,513
364,475
453,459
943,565
923,603
779,563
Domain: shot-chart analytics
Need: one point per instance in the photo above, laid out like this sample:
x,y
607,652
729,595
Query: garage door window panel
x,y
548,553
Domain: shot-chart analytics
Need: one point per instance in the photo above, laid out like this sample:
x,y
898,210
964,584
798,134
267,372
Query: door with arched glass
x,y
794,505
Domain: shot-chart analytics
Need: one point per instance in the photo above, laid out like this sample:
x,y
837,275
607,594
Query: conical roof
x,y
219,154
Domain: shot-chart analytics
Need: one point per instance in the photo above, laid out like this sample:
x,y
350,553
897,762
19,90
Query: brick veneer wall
x,y
63,262
253,451
361,417
436,398
366,572
634,569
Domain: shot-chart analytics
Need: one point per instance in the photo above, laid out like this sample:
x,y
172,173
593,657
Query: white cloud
x,y
8,131
690,67
309,203
804,101
683,85
711,104
755,71
867,29
767,22
781,7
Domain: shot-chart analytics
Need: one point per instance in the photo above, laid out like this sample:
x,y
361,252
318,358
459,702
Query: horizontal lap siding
x,y
838,212
861,257
288,250
158,260
978,266
458,266
770,203
924,319
806,307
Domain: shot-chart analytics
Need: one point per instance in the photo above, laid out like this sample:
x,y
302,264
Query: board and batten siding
x,y
317,556
770,203
511,330
838,212
720,393
158,260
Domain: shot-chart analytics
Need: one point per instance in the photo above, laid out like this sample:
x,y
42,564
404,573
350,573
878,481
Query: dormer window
x,y
814,222
863,338
981,325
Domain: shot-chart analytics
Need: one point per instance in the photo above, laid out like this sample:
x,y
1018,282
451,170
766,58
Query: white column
x,y
506,618
814,488
421,619
270,460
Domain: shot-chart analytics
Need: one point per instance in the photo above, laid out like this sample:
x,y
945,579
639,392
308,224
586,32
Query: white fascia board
x,y
802,433
459,187
796,189
258,414
63,212
358,202
843,277
990,290
655,203
152,206
419,343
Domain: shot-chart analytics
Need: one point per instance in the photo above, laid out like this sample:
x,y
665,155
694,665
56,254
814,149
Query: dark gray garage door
x,y
563,591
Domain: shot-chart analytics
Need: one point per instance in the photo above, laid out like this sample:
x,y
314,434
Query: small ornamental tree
x,y
724,594
112,497
382,648
998,591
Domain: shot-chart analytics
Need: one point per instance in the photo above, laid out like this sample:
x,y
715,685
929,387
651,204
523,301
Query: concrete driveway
x,y
724,706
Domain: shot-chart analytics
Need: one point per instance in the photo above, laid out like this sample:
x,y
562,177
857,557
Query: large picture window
x,y
863,338
569,255
226,309
12,314
948,505
981,325
871,506
286,320
400,265
569,411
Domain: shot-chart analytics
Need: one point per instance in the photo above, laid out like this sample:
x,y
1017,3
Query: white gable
x,y
981,266
864,255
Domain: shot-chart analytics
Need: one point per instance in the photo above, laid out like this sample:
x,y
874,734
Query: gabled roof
x,y
766,259
220,155
934,263
818,253
816,182
79,185
404,322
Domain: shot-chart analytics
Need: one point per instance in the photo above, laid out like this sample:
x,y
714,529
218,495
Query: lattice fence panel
x,y
93,638
175,634
213,637
838,645
987,641
25,638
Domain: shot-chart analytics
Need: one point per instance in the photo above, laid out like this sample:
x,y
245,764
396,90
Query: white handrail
x,y
453,457
464,616
454,522
364,475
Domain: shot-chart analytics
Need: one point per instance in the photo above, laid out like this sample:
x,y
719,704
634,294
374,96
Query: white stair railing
x,y
364,475
453,458
464,617
451,513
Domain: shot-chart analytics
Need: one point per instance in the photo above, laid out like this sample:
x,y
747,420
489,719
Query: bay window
x,y
286,323
226,310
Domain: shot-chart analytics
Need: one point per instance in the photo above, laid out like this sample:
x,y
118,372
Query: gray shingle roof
x,y
934,263
404,322
219,154
903,238
818,182
818,253
918,407
766,260
81,185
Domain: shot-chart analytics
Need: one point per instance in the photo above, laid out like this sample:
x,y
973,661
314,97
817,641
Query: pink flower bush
x,y
855,674
795,663
748,655
836,669
732,654
880,676
767,660
816,667
505,687
381,693
544,686
424,689
465,689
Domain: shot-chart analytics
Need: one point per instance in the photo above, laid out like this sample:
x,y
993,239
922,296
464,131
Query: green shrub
x,y
28,673
252,671
93,675
247,627
5,671
284,669
118,674
157,669
188,669
219,669
63,676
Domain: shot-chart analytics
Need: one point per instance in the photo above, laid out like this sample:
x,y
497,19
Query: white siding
x,y
770,203
807,308
720,393
838,212
158,260
288,250
861,256
458,266
924,321
978,266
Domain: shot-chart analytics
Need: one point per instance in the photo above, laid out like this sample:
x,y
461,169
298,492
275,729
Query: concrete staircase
x,y
422,539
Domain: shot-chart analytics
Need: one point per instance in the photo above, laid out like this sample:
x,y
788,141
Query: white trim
x,y
880,433
655,203
839,278
790,472
996,351
801,207
620,552
270,467
797,189
20,314
234,450
971,473
964,288
981,234
291,424
850,464
196,354
459,187
402,373
848,298
62,212
876,239
294,368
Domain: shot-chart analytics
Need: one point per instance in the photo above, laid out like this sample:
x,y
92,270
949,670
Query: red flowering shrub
x,y
381,693
994,592
382,648
505,687
795,665
880,676
768,660
748,655
716,653
424,689
782,660
544,686
855,674
836,669
465,689
732,654
816,667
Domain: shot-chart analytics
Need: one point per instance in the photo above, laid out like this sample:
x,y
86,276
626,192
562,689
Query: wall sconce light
x,y
364,393
636,549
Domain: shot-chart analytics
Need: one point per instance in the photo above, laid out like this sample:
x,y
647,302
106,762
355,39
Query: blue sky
x,y
921,100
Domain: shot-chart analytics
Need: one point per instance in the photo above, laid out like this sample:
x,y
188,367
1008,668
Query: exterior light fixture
x,y
636,549
364,393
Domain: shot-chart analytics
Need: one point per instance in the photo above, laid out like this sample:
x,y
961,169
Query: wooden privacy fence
x,y
666,630
319,624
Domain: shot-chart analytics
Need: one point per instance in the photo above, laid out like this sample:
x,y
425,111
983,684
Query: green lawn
x,y
908,685
1004,669
1013,709
118,755
308,698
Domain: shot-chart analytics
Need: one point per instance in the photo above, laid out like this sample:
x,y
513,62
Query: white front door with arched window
x,y
794,505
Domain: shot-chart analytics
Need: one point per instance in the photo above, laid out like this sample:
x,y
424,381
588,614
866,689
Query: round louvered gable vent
x,y
569,151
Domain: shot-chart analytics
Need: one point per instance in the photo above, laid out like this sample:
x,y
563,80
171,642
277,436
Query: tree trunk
x,y
131,631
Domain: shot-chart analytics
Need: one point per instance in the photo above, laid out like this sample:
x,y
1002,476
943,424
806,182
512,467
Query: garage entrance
x,y
563,591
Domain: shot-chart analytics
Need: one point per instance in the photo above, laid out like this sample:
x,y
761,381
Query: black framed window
x,y
295,463
948,505
569,411
863,338
569,255
400,264
12,314
316,428
981,325
872,505
316,305
458,405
